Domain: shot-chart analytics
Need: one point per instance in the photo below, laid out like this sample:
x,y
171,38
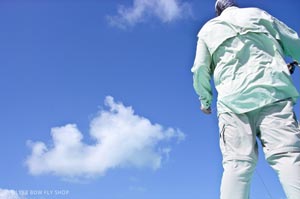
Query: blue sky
x,y
97,101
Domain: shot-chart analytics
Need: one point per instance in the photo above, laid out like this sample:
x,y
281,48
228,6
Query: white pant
x,y
276,127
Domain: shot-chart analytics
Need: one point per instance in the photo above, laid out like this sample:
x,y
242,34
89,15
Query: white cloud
x,y
165,10
122,139
9,194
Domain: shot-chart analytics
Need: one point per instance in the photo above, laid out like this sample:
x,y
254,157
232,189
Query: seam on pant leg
x,y
239,158
269,154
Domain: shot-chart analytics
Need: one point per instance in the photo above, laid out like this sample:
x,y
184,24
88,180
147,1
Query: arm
x,y
202,76
288,39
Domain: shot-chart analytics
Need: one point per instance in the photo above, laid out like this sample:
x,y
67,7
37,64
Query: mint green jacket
x,y
243,50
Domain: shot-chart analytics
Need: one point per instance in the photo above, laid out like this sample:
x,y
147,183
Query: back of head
x,y
221,5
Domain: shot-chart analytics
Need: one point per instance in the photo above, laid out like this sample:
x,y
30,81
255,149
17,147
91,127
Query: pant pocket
x,y
222,138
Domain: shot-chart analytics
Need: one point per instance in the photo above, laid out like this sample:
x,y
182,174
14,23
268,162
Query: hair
x,y
221,5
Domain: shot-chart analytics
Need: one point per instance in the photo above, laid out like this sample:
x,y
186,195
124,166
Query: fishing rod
x,y
292,66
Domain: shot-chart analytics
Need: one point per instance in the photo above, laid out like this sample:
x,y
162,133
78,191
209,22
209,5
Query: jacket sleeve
x,y
202,74
288,39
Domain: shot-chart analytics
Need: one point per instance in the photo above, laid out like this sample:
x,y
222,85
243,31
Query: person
x,y
243,50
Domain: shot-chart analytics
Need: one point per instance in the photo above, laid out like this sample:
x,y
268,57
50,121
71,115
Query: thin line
x,y
265,186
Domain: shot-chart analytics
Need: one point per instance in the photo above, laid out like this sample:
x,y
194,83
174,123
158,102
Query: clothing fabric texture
x,y
243,50
278,131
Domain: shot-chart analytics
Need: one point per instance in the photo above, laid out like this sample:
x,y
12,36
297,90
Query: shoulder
x,y
253,12
209,26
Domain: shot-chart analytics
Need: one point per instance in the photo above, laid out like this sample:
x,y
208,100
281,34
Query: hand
x,y
291,66
206,110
